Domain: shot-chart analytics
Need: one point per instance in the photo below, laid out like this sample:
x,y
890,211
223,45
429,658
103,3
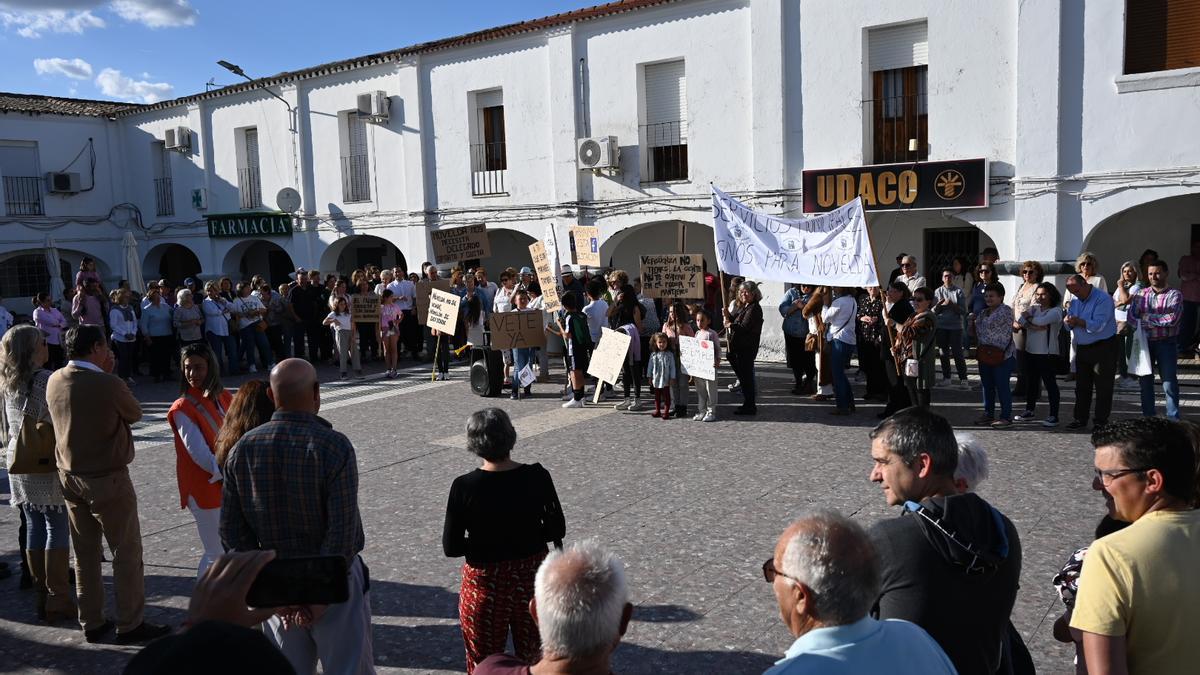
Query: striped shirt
x,y
1158,312
291,485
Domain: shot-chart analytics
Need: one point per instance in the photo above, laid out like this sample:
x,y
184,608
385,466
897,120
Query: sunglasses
x,y
769,572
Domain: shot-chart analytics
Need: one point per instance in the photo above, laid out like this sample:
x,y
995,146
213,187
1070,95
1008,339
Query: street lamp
x,y
237,70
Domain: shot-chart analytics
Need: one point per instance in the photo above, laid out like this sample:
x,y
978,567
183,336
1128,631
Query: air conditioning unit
x,y
374,106
597,153
179,138
62,183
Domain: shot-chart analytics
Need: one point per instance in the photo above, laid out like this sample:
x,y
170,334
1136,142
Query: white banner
x,y
831,249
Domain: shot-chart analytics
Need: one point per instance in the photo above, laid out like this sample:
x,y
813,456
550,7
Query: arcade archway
x,y
359,250
1167,226
259,257
173,262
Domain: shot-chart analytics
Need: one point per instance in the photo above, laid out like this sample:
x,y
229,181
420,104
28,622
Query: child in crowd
x,y
341,323
662,374
523,357
573,328
678,323
390,316
706,390
474,319
631,375
441,353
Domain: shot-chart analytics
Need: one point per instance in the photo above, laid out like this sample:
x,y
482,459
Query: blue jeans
x,y
46,530
839,358
995,381
521,357
253,339
1163,354
228,345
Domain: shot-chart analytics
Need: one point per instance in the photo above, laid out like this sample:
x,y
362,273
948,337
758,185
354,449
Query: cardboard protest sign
x,y
544,267
517,330
832,249
442,311
585,242
424,288
609,356
698,357
365,307
673,276
460,243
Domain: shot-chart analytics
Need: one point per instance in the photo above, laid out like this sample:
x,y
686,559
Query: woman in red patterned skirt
x,y
500,517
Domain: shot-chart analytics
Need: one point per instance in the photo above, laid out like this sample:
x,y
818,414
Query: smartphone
x,y
308,580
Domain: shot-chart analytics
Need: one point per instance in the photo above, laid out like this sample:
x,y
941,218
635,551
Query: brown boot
x,y
59,603
36,560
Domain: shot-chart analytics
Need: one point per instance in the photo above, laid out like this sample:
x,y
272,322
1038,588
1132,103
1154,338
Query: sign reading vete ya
x,y
672,276
830,250
443,311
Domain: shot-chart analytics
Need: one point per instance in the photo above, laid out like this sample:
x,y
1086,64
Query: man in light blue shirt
x,y
1091,316
825,574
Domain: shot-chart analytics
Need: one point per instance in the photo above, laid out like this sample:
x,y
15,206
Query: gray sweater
x,y
949,316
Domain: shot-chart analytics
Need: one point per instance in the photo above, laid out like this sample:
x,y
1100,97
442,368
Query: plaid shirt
x,y
291,485
1158,313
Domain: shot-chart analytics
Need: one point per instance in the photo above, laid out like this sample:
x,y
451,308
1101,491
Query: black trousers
x,y
410,333
275,339
1095,367
743,367
161,347
368,340
1040,368
870,362
803,363
311,333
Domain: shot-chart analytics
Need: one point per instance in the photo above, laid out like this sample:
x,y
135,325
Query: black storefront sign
x,y
249,225
954,184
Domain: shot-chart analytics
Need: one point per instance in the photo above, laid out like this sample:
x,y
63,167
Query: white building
x,y
1086,117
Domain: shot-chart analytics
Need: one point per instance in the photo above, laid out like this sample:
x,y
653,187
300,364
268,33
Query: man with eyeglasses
x,y
950,562
825,575
1139,595
1157,310
1091,316
910,276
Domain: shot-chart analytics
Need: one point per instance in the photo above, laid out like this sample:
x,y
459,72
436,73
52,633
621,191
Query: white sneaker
x,y
573,404
623,405
253,368
709,417
635,406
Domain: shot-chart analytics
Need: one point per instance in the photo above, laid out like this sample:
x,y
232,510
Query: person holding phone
x,y
499,517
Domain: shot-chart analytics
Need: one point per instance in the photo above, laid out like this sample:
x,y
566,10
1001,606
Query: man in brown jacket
x,y
92,410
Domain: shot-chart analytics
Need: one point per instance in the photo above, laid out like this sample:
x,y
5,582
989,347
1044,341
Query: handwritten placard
x,y
544,266
424,288
585,241
517,330
365,307
673,276
698,357
609,356
460,243
443,311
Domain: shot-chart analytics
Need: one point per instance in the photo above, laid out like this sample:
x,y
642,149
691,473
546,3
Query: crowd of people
x,y
263,475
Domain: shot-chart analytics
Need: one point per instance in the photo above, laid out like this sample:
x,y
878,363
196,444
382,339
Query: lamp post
x,y
236,70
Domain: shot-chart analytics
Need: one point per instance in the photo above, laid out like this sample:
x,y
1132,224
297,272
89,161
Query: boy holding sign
x,y
706,390
573,328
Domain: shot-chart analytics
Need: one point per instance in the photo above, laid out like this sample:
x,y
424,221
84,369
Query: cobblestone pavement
x,y
692,508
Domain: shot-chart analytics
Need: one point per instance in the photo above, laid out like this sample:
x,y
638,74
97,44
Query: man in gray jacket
x,y
950,306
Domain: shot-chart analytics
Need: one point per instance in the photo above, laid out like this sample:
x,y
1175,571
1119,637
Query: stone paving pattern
x,y
692,508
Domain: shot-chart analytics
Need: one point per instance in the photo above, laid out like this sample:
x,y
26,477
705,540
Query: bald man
x,y
297,465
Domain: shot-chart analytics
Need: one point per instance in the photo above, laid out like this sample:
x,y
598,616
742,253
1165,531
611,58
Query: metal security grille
x,y
666,151
943,246
489,159
249,180
356,171
23,196
26,275
164,198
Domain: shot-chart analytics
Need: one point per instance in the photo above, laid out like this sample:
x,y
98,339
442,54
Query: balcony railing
x,y
489,163
666,151
250,187
164,197
23,196
899,128
356,179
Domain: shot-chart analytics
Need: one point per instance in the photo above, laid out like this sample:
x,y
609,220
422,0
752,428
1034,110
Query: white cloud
x,y
33,18
32,24
156,13
112,83
76,69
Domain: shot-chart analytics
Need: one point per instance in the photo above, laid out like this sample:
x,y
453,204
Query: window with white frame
x,y
164,197
898,104
664,130
356,169
22,178
489,153
249,177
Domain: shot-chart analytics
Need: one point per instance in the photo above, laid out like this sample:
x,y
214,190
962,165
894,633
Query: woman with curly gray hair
x,y
745,329
499,517
38,496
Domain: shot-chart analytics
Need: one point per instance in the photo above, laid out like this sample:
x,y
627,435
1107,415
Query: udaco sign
x,y
248,225
955,184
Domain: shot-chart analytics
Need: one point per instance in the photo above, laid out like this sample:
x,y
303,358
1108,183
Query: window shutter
x,y
489,99
666,94
252,148
898,46
356,129
18,158
1161,35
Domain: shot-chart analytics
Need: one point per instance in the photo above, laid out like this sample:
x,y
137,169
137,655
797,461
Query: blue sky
x,y
149,50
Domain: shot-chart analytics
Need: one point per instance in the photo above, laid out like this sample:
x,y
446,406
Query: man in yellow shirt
x,y
1139,594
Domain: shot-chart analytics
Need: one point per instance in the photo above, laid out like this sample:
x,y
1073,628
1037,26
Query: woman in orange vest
x,y
195,419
